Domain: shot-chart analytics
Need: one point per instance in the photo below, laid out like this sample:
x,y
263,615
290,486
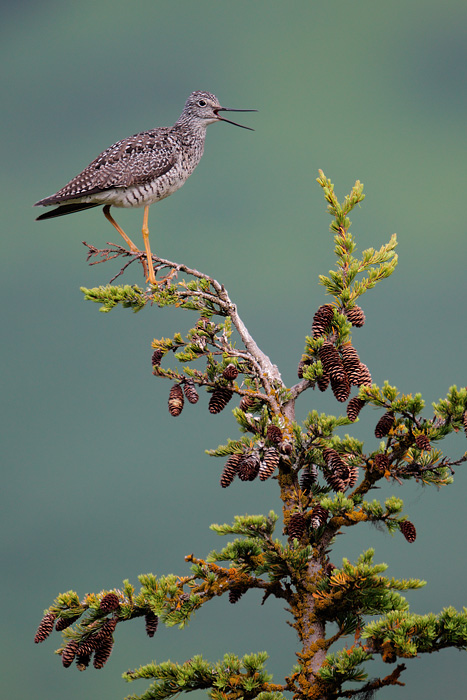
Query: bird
x,y
142,169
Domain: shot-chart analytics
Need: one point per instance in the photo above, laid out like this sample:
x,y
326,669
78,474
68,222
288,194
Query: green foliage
x,y
130,297
231,675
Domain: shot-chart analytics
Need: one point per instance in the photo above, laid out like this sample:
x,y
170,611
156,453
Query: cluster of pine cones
x,y
299,523
262,462
342,367
98,644
220,395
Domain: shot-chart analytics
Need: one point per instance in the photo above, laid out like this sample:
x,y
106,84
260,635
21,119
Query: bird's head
x,y
203,108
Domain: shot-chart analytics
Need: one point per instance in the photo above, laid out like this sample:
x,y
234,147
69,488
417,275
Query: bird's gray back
x,y
159,159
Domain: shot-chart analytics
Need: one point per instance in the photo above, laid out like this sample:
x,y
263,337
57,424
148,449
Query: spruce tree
x,y
345,615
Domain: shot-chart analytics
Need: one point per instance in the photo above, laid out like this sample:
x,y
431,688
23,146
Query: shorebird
x,y
143,169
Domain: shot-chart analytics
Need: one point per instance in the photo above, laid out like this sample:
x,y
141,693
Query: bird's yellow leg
x,y
133,248
127,240
145,231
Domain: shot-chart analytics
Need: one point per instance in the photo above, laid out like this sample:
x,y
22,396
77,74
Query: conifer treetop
x,y
345,615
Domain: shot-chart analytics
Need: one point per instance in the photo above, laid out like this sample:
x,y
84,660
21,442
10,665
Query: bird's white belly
x,y
138,195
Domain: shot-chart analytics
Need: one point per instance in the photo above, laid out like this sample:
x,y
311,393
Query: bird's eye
x,y
202,103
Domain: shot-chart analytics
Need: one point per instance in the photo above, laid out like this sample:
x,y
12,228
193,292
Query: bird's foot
x,y
164,280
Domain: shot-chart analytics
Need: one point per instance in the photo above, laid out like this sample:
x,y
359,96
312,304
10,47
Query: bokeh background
x,y
100,483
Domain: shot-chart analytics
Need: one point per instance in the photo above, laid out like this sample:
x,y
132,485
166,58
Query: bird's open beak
x,y
225,109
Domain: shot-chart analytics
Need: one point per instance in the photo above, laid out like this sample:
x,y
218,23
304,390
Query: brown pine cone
x,y
353,475
269,464
356,316
365,376
151,622
230,469
235,594
323,382
381,462
246,403
110,602
351,362
220,397
103,651
354,407
322,320
157,356
190,391
176,400
45,627
69,653
274,434
384,424
341,388
296,526
408,530
309,476
63,622
423,442
331,361
230,372
319,515
248,467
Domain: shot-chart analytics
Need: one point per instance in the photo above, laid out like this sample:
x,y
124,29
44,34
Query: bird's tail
x,y
66,209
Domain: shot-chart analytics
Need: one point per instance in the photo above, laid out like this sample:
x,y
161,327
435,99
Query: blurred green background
x,y
100,482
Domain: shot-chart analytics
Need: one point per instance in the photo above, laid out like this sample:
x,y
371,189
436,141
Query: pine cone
x,y
365,376
151,623
423,442
356,316
381,462
309,476
319,515
230,372
230,469
323,382
408,530
176,400
296,526
103,652
333,459
246,403
353,475
157,356
338,481
322,319
337,475
270,461
248,468
64,622
190,391
351,362
220,397
83,659
274,434
87,647
341,388
69,652
107,628
331,361
45,627
110,602
384,424
235,594
354,407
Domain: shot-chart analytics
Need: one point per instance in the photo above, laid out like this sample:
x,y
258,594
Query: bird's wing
x,y
130,162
